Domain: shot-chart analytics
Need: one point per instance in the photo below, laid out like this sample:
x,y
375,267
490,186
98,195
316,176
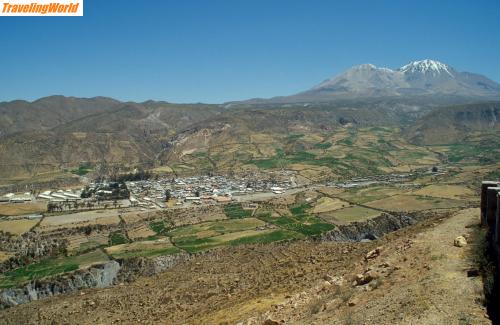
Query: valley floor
x,y
419,277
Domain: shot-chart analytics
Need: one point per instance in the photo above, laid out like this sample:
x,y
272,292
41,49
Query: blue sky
x,y
217,51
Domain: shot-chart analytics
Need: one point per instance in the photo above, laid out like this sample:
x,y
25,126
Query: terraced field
x,y
298,219
80,219
17,227
50,267
402,203
15,209
362,195
446,191
139,231
143,249
207,235
236,211
323,155
82,242
350,214
326,204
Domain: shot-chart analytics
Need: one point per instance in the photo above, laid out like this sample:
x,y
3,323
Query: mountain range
x,y
58,133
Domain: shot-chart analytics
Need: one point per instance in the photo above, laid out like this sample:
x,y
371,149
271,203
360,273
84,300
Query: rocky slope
x,y
104,275
98,276
454,124
412,276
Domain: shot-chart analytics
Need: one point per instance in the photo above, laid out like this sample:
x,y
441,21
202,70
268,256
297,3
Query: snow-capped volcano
x,y
425,77
426,66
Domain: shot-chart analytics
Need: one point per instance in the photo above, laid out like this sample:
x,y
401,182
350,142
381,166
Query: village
x,y
153,194
170,192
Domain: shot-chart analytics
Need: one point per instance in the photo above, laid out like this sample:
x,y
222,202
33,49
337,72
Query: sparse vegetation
x,y
117,238
49,267
323,145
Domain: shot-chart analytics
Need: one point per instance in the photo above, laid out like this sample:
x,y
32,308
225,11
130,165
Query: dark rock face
x,y
98,276
30,247
454,124
132,268
371,229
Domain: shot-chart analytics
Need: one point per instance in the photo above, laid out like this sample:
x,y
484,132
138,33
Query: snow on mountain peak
x,y
365,66
426,66
369,66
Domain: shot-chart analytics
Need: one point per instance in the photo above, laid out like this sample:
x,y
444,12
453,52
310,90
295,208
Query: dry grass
x,y
401,203
97,217
446,191
4,256
162,169
330,190
133,217
17,227
15,209
326,204
363,195
140,231
142,248
240,234
350,214
77,243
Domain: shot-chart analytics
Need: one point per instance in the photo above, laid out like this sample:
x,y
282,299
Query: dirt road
x,y
421,278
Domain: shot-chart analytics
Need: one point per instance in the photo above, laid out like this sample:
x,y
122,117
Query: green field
x,y
195,238
235,211
351,214
117,238
158,227
485,152
323,145
50,267
215,228
299,221
192,244
300,157
268,237
81,171
148,249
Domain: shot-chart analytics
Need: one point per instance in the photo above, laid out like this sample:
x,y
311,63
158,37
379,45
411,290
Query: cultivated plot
x,y
350,214
50,267
17,227
148,248
400,203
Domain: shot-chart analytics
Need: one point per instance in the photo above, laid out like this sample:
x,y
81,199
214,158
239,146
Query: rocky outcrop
x,y
28,248
132,268
97,276
373,228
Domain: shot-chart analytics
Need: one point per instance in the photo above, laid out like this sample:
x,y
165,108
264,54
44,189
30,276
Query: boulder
x,y
460,241
373,253
365,278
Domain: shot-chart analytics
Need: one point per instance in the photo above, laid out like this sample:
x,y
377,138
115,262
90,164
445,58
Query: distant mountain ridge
x,y
57,133
425,78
